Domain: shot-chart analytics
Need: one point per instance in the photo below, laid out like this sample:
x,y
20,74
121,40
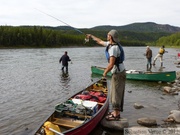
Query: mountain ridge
x,y
143,27
133,27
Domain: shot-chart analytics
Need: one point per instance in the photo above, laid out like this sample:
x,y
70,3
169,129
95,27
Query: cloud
x,y
89,13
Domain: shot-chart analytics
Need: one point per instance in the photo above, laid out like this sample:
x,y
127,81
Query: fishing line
x,y
60,21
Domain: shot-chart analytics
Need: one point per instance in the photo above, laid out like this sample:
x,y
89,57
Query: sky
x,y
88,13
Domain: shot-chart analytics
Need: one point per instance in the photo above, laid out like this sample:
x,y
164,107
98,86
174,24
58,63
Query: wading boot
x,y
147,67
150,67
161,64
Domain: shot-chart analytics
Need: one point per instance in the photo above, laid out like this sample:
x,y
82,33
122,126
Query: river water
x,y
31,84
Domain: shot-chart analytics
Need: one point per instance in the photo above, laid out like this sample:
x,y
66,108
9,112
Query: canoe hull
x,y
154,76
168,76
99,70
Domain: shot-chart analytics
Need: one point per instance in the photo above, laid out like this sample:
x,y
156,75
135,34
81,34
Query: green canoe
x,y
168,76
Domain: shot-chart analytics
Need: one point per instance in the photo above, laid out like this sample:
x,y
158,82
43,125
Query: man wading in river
x,y
160,55
64,59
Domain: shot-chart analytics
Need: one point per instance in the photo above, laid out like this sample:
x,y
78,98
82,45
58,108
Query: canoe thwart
x,y
67,122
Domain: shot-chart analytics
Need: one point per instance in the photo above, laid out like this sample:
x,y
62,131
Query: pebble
x,y
147,122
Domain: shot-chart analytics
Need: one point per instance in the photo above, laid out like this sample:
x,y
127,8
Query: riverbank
x,y
172,120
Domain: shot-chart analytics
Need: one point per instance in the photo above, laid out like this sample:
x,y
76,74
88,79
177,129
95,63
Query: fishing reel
x,y
86,40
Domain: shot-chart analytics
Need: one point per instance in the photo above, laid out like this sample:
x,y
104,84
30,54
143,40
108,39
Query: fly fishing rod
x,y
60,21
86,39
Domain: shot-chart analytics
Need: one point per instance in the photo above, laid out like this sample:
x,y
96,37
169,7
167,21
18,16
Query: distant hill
x,y
142,27
134,27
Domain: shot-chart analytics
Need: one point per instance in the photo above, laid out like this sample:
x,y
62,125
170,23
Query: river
x,y
31,84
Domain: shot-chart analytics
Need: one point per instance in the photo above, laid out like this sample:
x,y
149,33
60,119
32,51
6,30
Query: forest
x,y
46,37
35,37
172,40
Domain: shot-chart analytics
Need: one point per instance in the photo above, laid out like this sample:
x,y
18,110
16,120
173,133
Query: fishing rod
x,y
61,21
86,39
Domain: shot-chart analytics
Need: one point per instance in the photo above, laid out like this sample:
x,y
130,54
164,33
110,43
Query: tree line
x,y
41,37
35,37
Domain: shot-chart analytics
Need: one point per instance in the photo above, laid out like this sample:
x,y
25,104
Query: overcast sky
x,y
89,13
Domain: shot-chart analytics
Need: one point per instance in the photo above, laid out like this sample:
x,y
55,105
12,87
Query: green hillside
x,y
172,40
136,34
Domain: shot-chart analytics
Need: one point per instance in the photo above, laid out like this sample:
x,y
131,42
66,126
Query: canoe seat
x,y
67,122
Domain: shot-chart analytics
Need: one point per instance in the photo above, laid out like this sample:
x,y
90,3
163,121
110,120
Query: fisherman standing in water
x,y
160,55
149,58
65,59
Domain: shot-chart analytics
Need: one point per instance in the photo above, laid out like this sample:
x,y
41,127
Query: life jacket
x,y
119,59
98,96
83,97
161,50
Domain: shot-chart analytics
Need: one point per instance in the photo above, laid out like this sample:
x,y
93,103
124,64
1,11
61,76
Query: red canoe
x,y
77,116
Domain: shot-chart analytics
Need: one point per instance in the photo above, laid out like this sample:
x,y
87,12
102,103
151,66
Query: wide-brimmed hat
x,y
114,35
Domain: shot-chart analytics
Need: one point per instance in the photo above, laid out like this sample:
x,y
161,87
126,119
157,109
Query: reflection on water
x,y
32,83
64,80
65,77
